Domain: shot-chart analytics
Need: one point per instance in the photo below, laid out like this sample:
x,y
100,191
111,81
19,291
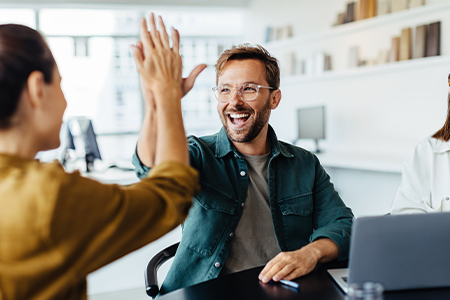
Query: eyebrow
x,y
241,83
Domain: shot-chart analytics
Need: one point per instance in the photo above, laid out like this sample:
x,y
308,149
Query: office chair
x,y
150,275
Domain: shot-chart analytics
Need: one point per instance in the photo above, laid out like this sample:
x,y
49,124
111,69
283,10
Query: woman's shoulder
x,y
432,145
426,149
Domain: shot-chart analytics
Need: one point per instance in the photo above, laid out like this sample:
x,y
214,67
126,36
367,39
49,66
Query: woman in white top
x,y
425,185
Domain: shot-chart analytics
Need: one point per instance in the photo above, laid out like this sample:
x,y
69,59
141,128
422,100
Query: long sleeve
x,y
414,192
95,224
332,219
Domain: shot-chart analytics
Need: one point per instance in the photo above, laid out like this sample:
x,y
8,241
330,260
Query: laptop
x,y
399,251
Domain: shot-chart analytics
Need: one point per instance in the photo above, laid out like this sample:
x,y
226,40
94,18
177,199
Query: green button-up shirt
x,y
303,203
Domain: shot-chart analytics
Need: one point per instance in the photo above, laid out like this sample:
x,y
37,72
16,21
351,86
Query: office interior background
x,y
375,111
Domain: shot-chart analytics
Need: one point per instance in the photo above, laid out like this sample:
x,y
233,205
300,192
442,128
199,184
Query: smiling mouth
x,y
238,119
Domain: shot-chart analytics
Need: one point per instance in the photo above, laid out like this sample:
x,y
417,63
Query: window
x,y
91,48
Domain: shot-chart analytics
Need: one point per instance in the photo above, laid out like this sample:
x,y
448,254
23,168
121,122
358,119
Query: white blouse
x,y
425,185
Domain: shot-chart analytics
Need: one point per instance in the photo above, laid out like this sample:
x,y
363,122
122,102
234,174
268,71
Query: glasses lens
x,y
248,91
222,93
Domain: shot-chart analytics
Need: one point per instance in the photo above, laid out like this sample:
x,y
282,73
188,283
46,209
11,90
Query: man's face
x,y
243,121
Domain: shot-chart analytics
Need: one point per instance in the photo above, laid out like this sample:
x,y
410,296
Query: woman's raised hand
x,y
158,64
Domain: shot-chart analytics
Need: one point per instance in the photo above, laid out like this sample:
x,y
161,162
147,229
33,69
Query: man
x,y
263,201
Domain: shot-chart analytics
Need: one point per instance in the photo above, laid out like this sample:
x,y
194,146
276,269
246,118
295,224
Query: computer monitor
x,y
81,132
311,124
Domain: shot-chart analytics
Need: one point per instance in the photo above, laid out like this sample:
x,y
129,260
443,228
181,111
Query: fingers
x,y
138,55
154,32
175,41
139,45
145,37
286,265
163,33
267,273
188,82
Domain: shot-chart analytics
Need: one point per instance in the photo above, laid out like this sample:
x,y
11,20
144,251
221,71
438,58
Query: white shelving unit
x,y
408,15
384,108
376,114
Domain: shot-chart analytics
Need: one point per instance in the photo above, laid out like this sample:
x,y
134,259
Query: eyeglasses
x,y
247,91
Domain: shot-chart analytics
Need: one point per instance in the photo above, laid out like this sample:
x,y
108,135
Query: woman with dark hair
x,y
55,228
426,175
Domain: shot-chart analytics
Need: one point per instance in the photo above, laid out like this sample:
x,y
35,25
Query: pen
x,y
288,283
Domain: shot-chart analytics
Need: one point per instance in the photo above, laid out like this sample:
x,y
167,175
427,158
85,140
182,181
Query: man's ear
x,y
35,88
275,99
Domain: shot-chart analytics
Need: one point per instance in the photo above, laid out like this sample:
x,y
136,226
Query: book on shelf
x,y
398,5
371,8
357,16
383,7
405,44
433,47
319,63
383,57
353,57
416,3
395,49
289,64
327,63
341,18
350,15
420,41
269,34
362,9
278,33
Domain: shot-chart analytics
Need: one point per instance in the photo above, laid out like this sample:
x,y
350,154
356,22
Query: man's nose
x,y
235,98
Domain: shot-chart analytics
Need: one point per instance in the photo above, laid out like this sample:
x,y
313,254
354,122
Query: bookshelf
x,y
385,108
371,36
363,25
376,70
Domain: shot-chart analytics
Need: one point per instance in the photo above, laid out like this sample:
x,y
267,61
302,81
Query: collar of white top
x,y
441,146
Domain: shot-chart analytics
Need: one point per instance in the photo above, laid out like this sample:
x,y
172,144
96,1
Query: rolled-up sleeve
x,y
332,219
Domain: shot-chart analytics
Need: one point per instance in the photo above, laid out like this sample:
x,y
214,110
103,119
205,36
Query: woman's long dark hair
x,y
22,51
444,132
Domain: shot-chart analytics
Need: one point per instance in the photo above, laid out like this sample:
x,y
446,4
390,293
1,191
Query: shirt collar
x,y
441,146
225,146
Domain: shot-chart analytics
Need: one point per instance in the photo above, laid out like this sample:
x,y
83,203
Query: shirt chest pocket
x,y
297,215
207,221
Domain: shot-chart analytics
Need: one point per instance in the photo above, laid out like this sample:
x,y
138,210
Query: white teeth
x,y
237,116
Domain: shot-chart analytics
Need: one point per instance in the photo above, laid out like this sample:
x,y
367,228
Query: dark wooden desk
x,y
317,285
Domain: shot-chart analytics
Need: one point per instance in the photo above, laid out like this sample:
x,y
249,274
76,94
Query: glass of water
x,y
366,291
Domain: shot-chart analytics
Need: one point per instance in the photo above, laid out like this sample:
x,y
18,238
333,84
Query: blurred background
x,y
376,69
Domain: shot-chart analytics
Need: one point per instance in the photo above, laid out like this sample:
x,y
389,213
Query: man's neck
x,y
258,146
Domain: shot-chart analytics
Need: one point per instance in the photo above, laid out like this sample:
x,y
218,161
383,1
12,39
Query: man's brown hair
x,y
247,51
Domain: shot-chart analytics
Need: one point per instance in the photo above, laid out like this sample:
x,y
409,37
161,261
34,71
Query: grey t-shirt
x,y
254,243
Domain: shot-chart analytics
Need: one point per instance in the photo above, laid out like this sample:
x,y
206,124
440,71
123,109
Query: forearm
x,y
171,138
324,250
146,146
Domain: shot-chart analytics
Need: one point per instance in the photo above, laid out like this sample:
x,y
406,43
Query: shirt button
x,y
242,204
231,235
242,173
217,265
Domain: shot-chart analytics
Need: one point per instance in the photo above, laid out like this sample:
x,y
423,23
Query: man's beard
x,y
261,120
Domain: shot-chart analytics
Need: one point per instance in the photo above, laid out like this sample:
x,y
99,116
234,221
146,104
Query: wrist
x,y
167,96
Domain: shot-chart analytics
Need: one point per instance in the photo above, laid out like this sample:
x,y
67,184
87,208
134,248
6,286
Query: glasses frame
x,y
239,91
